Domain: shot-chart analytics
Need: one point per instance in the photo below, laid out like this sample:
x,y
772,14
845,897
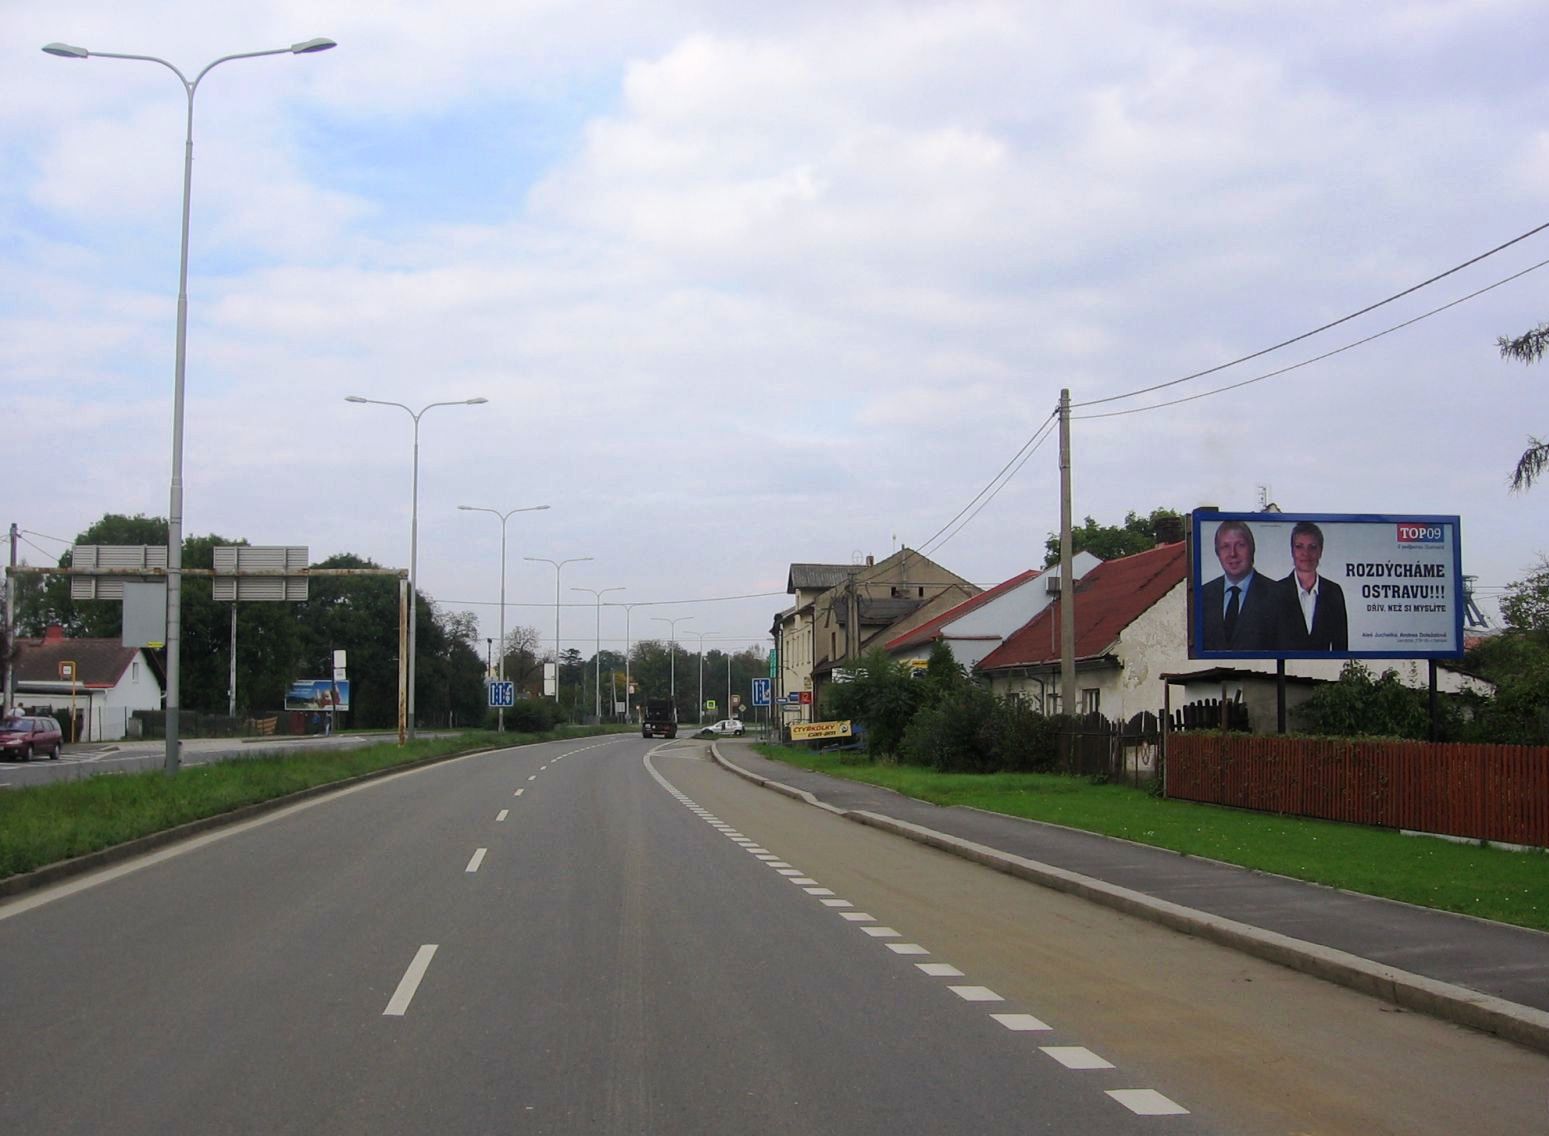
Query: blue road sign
x,y
502,693
761,687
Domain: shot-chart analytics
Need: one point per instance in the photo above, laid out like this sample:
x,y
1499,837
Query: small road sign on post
x,y
502,694
761,688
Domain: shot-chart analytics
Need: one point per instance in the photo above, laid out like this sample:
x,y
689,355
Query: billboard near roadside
x,y
1325,586
318,694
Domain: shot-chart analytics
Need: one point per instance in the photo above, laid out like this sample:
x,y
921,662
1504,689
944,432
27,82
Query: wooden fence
x,y
1480,792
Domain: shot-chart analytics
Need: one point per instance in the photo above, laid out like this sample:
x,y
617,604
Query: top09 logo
x,y
1418,532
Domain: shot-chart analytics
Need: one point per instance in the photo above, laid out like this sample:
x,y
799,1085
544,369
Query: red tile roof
x,y
100,663
1108,599
930,630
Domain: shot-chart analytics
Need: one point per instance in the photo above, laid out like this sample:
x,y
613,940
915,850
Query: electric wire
x,y
1314,359
1046,431
1017,459
1317,330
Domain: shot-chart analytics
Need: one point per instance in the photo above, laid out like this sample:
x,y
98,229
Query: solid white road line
x,y
1147,1102
412,977
478,858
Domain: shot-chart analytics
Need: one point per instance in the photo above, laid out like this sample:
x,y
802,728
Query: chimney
x,y
870,560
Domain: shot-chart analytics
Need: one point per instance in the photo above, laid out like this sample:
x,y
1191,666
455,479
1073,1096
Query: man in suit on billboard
x,y
1244,609
1315,618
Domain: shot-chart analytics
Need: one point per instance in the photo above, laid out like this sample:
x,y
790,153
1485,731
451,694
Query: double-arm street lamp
x,y
504,517
558,564
597,679
175,508
672,654
414,520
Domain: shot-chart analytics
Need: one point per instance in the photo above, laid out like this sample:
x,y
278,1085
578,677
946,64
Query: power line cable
x,y
1309,361
926,546
1316,330
1048,428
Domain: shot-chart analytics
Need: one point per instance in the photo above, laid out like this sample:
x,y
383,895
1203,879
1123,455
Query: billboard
x,y
318,694
1325,586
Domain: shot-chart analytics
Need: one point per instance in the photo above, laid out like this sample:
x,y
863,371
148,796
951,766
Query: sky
x,y
750,284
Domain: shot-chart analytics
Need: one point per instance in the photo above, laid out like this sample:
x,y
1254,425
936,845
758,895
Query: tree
x,y
1110,542
524,661
1528,348
1359,705
1517,662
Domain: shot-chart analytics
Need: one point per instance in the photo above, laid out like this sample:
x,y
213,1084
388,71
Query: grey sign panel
x,y
231,561
145,612
108,558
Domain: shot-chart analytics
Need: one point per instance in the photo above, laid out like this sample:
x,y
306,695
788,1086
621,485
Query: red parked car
x,y
21,737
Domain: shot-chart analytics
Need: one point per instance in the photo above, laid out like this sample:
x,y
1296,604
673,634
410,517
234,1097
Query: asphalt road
x,y
615,936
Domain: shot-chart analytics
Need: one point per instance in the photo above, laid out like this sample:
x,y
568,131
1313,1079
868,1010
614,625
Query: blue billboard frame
x,y
1204,568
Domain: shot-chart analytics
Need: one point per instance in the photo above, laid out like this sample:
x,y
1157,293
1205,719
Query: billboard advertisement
x,y
318,694
1325,586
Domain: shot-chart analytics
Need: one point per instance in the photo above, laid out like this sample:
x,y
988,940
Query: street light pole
x,y
597,658
699,714
558,564
672,656
174,698
504,517
414,522
629,607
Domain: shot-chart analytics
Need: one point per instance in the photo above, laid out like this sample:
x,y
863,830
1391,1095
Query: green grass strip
x,y
43,824
1509,887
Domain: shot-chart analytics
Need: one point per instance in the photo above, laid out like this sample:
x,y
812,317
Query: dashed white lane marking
x,y
1021,1022
534,777
1143,1102
939,969
478,858
976,993
519,792
502,814
398,1005
1076,1057
1147,1102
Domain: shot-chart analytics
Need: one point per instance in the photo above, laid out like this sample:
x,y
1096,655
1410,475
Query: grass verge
x,y
44,824
1510,887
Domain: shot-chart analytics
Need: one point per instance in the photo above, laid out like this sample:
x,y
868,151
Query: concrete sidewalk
x,y
1490,976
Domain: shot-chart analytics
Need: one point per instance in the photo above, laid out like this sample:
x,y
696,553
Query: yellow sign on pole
x,y
808,731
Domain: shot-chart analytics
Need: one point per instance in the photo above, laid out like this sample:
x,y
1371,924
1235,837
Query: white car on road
x,y
727,727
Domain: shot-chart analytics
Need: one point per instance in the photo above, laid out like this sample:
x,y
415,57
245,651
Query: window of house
x,y
1091,698
134,671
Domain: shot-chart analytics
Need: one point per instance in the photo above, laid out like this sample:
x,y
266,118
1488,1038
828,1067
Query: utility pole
x,y
1067,574
10,629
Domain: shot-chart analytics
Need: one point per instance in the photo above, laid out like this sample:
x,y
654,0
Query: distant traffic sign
x,y
761,689
502,694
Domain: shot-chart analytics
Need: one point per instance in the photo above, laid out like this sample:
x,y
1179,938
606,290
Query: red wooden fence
x,y
1482,792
